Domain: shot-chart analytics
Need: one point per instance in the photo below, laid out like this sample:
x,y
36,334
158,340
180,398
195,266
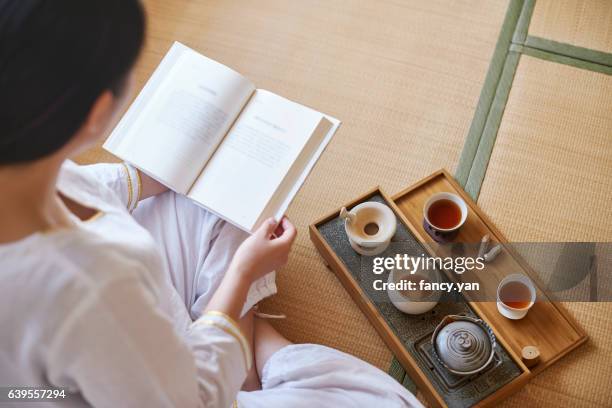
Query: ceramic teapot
x,y
464,345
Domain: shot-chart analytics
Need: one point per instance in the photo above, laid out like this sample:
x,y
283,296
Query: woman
x,y
121,292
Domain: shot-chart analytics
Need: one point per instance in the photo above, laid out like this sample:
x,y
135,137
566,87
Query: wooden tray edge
x,y
335,264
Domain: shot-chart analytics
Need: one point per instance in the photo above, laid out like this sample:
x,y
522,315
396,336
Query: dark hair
x,y
56,58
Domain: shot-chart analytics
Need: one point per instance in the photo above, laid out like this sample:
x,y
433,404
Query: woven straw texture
x,y
551,161
549,180
405,88
584,23
405,77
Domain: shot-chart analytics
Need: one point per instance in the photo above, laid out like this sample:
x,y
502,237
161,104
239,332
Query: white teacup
x,y
455,199
369,227
412,302
516,294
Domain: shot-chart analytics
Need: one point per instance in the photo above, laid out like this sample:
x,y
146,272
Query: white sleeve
x,y
222,248
117,349
122,178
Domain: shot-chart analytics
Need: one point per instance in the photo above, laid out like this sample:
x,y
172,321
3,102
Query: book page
x,y
292,183
179,119
255,157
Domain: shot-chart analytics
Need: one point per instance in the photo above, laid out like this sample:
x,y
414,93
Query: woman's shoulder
x,y
81,258
49,274
47,279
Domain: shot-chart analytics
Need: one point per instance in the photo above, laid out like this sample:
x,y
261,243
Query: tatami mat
x,y
405,88
551,161
583,23
580,379
548,179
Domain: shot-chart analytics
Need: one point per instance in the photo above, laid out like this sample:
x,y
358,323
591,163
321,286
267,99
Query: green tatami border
x,y
487,93
396,371
399,374
489,134
522,26
562,59
569,51
409,384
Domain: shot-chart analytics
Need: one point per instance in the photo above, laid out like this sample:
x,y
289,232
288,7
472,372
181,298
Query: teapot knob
x,y
464,342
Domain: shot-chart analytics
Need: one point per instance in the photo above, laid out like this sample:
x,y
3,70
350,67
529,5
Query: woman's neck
x,y
28,199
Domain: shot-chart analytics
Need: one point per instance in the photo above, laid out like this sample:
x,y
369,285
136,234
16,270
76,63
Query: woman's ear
x,y
97,121
105,110
100,114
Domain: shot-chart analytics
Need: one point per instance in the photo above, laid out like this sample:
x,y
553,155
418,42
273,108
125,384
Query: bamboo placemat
x,y
583,23
548,179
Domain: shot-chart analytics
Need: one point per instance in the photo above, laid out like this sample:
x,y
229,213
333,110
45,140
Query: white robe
x,y
105,310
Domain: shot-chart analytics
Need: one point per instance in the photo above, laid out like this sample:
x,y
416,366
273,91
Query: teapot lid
x,y
463,344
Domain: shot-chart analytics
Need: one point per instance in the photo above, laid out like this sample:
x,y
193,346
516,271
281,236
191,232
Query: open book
x,y
206,132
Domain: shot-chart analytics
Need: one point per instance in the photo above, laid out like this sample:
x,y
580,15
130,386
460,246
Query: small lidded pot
x,y
464,345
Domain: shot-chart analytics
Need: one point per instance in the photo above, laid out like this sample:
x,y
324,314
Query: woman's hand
x,y
264,251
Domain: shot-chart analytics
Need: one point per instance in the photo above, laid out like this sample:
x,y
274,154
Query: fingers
x,y
278,231
289,232
266,229
284,231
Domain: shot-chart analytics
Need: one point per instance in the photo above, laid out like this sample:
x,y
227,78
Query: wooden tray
x,y
547,325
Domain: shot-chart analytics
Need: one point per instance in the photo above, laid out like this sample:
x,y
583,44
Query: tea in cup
x,y
443,215
516,294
